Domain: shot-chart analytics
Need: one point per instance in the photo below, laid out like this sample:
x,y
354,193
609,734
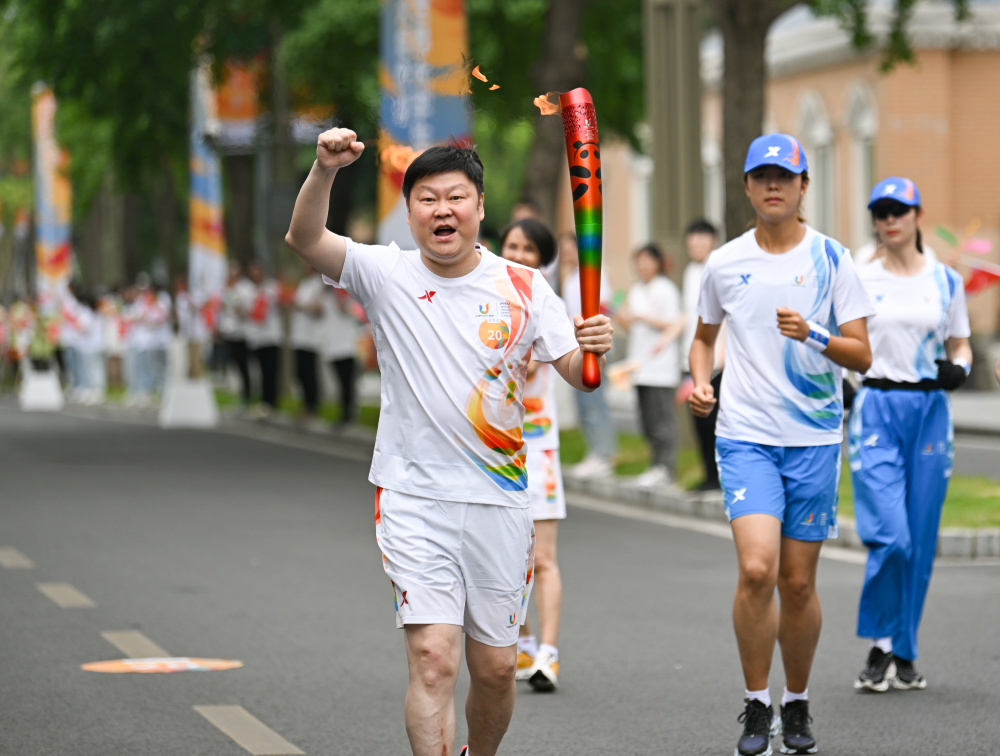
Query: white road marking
x,y
12,559
66,595
248,731
134,644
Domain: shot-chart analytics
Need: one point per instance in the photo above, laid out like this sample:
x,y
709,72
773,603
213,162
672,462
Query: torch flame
x,y
398,156
545,104
478,74
495,86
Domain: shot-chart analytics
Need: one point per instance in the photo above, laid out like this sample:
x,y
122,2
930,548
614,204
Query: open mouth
x,y
444,232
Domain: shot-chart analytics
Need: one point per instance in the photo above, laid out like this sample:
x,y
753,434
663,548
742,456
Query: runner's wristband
x,y
964,364
818,338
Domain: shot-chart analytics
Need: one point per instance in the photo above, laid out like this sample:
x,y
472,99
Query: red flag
x,y
981,280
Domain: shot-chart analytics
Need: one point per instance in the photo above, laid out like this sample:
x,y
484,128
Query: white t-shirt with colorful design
x,y
541,425
776,390
914,317
454,353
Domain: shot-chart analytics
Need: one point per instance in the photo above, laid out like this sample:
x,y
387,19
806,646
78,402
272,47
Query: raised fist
x,y
338,147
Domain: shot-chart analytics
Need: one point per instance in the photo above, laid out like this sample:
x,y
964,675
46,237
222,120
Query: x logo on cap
x,y
889,189
773,151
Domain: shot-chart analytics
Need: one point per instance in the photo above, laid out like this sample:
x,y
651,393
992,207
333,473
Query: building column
x,y
673,31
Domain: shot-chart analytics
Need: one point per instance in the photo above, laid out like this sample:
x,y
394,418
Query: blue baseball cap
x,y
895,188
782,150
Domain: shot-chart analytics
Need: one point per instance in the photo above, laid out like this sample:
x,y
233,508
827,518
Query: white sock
x,y
885,644
764,696
528,645
550,649
788,696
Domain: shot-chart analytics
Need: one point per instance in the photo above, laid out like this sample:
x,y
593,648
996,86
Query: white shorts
x,y
545,485
454,563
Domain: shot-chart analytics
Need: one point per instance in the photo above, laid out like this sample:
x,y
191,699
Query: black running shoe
x,y
795,721
759,726
879,671
907,677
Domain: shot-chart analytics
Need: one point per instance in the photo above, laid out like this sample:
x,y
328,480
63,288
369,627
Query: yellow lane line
x,y
134,644
248,731
12,559
65,595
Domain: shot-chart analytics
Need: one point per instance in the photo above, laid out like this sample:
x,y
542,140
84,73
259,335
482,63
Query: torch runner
x,y
580,127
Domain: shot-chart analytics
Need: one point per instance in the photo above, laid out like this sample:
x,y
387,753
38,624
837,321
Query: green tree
x,y
530,47
744,25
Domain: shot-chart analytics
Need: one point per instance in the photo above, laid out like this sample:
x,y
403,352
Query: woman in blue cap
x,y
795,313
901,434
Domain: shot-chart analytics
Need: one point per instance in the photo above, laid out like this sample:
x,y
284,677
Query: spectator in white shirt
x,y
264,334
306,333
652,315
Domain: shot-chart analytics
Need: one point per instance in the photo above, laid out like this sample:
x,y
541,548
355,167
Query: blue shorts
x,y
800,485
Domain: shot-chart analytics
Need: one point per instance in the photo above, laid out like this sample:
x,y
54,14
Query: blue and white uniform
x,y
901,445
780,423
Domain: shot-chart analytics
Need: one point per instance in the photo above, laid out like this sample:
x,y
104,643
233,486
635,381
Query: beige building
x,y
934,122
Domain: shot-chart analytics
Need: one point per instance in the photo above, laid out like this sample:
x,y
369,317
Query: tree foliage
x,y
853,16
744,25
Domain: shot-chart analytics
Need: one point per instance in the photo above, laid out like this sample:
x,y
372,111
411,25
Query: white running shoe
x,y
592,466
545,673
654,477
525,666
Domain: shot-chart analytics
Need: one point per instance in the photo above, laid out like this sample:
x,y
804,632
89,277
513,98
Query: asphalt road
x,y
220,546
977,455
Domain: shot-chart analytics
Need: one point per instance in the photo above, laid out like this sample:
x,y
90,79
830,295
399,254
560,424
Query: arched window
x,y
862,124
816,134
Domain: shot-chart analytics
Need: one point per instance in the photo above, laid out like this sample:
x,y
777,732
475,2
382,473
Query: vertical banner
x,y
53,202
207,243
423,45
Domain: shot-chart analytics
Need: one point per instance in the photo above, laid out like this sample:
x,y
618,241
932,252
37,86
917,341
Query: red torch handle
x,y
584,154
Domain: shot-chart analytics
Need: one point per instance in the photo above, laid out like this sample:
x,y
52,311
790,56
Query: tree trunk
x,y
744,25
560,68
238,175
131,236
166,219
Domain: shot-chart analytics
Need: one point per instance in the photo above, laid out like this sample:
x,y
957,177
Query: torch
x,y
580,127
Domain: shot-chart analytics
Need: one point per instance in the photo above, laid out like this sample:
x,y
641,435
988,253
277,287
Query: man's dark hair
x,y
701,226
444,159
539,235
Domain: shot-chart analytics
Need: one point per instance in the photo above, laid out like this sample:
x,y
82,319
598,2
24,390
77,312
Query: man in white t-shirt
x,y
455,328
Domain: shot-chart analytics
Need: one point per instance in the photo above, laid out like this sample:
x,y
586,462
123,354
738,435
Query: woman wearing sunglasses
x,y
795,313
901,437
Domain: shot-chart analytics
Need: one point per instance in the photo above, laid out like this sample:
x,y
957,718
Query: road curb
x,y
961,543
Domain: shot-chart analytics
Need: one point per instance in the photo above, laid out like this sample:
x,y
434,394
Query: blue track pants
x,y
901,449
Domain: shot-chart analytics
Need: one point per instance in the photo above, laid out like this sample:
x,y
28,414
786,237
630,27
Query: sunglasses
x,y
883,210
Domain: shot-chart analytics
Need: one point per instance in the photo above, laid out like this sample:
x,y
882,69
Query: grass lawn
x,y
973,502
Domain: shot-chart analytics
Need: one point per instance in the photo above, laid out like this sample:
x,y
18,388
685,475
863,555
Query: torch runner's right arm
x,y
308,234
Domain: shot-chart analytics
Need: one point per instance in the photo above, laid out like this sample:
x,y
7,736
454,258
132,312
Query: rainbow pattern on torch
x,y
584,153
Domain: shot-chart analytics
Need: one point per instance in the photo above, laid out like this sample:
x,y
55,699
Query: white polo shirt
x,y
454,353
